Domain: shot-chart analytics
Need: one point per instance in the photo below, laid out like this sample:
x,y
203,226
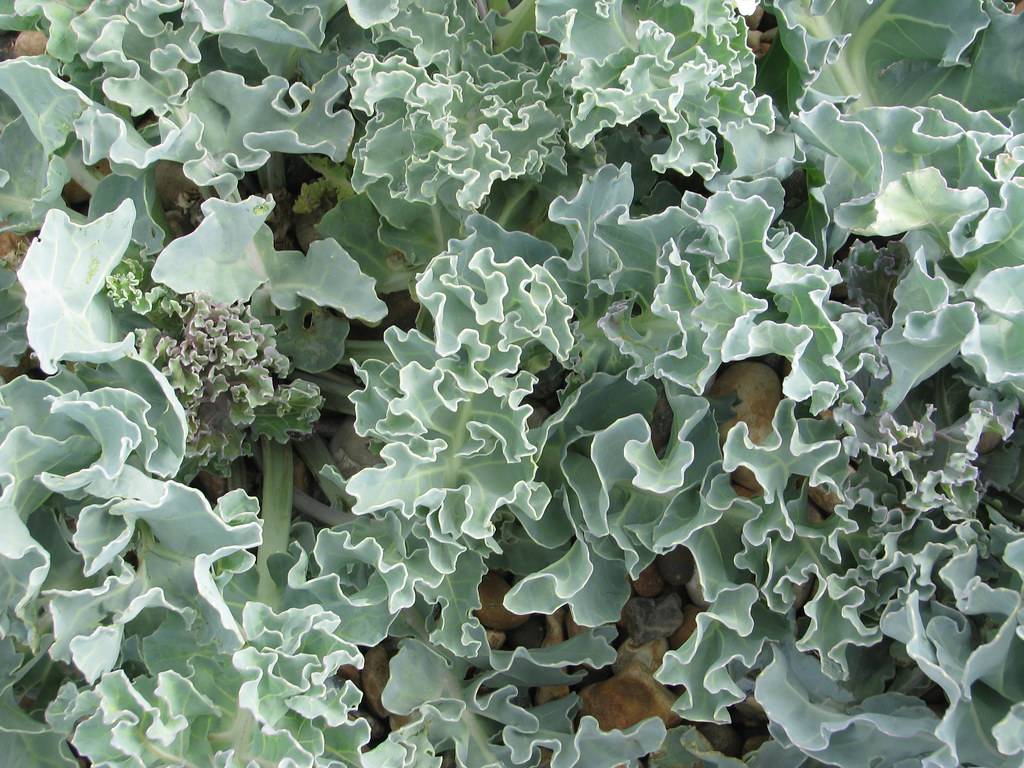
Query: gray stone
x,y
648,618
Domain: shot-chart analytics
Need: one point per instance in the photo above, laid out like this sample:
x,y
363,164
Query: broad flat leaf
x,y
30,179
919,200
224,257
328,276
231,254
63,275
796,694
242,124
48,105
13,318
112,189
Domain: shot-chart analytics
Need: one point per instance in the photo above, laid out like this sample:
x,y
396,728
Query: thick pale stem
x,y
359,351
335,390
271,175
81,174
322,513
238,477
316,455
276,510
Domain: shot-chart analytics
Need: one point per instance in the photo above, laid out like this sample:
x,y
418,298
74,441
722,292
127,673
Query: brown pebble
x,y
758,392
74,193
12,249
554,628
492,612
744,477
649,583
398,721
374,677
814,515
547,693
29,43
530,634
627,698
592,676
825,499
687,628
767,37
750,713
572,629
648,656
675,566
747,493
496,639
350,672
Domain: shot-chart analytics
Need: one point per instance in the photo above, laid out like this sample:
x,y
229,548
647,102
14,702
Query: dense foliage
x,y
489,383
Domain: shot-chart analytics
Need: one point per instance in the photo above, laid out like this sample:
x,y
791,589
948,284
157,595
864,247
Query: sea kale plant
x,y
504,384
